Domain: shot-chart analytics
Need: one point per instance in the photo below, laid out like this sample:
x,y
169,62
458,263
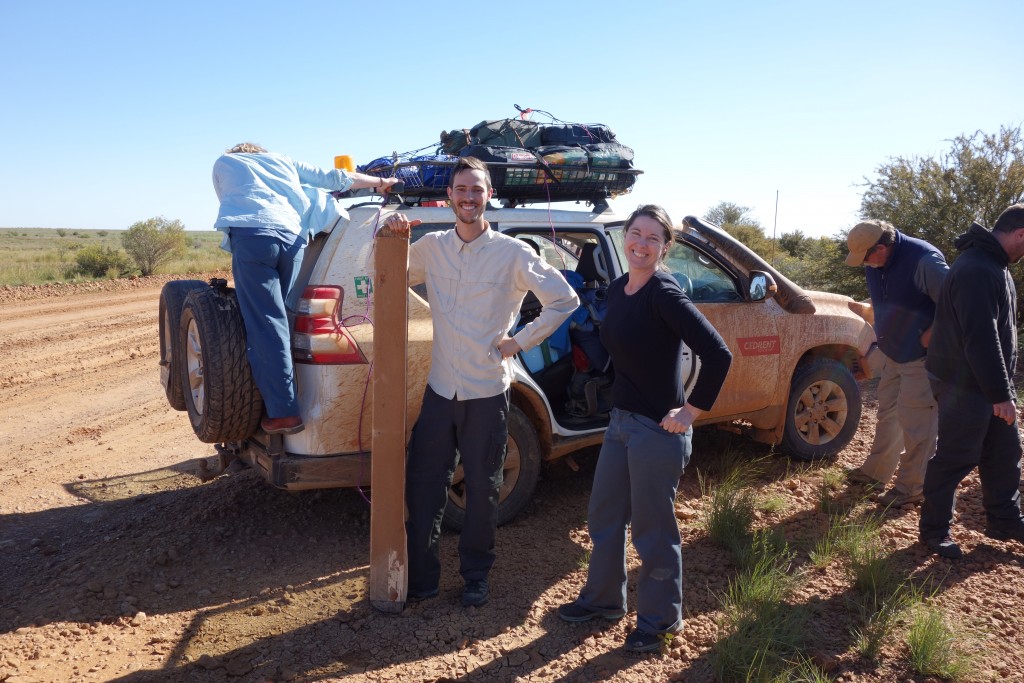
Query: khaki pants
x,y
907,426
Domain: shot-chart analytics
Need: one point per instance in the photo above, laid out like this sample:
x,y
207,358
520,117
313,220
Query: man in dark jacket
x,y
972,358
904,276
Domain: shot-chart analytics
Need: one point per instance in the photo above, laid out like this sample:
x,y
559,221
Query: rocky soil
x,y
118,564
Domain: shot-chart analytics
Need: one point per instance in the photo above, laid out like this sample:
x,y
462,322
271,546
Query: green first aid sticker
x,y
364,286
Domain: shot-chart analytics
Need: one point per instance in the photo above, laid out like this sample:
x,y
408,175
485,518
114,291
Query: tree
x,y
736,221
795,243
937,199
153,242
728,213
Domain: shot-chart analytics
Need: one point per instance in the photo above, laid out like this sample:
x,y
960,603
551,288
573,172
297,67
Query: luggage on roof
x,y
528,161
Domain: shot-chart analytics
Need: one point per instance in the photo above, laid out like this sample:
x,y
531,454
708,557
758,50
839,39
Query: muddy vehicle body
x,y
797,354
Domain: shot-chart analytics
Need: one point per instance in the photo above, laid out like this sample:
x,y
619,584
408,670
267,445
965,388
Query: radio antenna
x,y
775,225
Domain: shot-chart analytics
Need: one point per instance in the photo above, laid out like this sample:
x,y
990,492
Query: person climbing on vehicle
x,y
262,205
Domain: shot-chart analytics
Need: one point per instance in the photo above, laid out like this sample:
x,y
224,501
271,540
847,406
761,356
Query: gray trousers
x,y
635,484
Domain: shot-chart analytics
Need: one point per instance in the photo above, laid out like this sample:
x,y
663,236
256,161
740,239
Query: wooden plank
x,y
389,580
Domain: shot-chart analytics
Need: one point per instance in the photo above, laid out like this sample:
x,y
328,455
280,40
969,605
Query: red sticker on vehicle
x,y
759,346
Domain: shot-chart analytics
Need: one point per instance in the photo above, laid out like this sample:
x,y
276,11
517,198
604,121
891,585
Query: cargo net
x,y
592,172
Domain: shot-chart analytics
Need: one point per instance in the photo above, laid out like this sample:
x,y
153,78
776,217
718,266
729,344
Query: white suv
x,y
796,354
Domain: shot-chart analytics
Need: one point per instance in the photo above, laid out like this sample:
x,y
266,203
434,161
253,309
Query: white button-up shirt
x,y
475,290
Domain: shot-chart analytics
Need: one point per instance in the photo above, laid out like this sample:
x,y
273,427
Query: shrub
x,y
97,261
154,241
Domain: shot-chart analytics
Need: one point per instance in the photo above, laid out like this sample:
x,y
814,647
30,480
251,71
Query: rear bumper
x,y
302,472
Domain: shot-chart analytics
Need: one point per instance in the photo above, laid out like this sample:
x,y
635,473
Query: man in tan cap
x,y
904,276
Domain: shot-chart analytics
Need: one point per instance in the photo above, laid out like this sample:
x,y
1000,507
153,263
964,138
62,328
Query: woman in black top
x,y
648,441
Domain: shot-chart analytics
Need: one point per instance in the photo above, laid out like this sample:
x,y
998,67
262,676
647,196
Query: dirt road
x,y
117,563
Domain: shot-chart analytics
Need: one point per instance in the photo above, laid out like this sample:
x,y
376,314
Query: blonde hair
x,y
246,148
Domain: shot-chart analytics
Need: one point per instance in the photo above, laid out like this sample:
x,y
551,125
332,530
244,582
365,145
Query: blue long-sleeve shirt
x,y
265,192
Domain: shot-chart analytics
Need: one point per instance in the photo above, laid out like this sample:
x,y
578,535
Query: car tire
x,y
172,299
221,397
823,410
521,472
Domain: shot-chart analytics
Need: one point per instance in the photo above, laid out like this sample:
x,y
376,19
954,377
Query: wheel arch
x,y
536,411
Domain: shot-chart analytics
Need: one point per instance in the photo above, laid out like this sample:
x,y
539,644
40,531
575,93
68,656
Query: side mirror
x,y
762,285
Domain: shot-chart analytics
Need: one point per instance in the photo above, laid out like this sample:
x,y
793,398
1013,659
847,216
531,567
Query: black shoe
x,y
574,613
1012,534
419,596
475,593
642,641
943,547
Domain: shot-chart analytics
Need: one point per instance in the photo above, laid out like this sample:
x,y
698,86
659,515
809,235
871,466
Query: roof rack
x,y
516,182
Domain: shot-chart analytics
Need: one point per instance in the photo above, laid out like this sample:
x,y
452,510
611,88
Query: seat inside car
x,y
592,266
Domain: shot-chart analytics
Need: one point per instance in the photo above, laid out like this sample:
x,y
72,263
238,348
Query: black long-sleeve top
x,y
645,332
974,337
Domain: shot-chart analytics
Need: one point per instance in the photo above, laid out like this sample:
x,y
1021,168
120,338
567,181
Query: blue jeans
x,y
636,480
265,269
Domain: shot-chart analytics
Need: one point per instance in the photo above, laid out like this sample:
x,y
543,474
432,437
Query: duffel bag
x,y
498,132
501,154
575,134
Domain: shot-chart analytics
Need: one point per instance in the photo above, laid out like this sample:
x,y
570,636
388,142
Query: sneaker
x,y
642,641
475,593
897,499
574,613
1012,534
419,596
943,547
282,425
857,476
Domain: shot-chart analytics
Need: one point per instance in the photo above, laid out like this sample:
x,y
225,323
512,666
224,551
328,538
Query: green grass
x,y
827,491
932,646
765,632
34,256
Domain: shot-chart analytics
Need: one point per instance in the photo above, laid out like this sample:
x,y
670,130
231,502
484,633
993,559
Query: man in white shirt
x,y
476,280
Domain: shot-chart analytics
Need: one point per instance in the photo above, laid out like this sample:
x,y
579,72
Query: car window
x,y
557,256
699,276
424,228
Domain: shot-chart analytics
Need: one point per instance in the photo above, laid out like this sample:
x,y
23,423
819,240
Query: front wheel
x,y
823,411
521,472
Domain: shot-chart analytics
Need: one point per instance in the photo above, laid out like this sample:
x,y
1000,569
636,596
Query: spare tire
x,y
172,298
221,397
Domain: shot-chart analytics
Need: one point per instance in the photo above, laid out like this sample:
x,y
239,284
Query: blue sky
x,y
114,112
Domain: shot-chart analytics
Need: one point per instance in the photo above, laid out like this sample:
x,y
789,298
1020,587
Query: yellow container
x,y
344,162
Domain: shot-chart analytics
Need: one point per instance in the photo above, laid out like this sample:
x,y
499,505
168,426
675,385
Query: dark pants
x,y
971,436
476,430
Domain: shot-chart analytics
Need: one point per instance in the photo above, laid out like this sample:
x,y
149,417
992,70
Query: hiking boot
x,y
943,547
1015,533
419,596
475,593
857,476
897,499
574,613
642,641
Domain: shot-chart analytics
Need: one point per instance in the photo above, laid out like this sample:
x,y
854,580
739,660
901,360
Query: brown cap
x,y
862,237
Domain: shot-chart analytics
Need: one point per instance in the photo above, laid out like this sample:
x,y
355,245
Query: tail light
x,y
319,335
